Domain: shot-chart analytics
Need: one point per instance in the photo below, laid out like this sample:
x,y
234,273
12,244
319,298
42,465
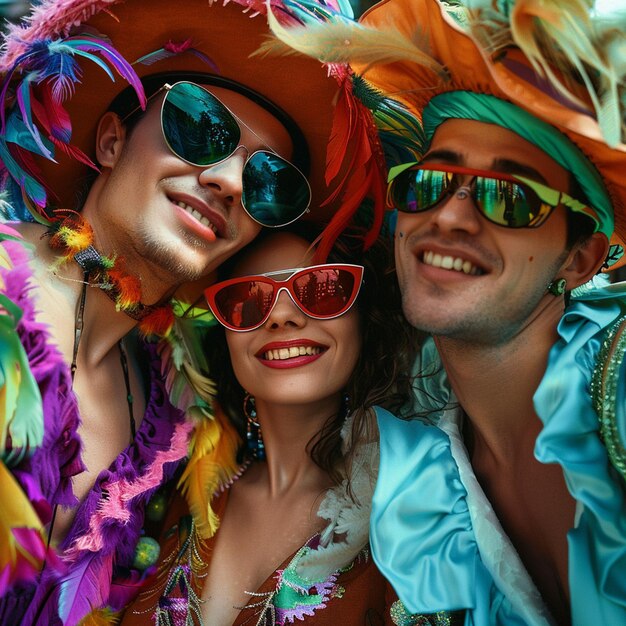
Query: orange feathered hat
x,y
554,59
520,54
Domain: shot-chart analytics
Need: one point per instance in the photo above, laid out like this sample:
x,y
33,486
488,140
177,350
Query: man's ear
x,y
110,138
584,260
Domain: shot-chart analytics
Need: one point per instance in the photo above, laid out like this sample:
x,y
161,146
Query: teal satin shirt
x,y
434,534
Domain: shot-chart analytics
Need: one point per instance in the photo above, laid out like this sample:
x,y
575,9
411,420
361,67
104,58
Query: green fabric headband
x,y
492,110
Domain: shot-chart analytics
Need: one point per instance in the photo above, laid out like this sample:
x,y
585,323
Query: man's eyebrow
x,y
508,166
445,156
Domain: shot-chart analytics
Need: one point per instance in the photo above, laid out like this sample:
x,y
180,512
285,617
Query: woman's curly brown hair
x,y
382,373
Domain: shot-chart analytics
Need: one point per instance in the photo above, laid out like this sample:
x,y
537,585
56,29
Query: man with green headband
x,y
513,511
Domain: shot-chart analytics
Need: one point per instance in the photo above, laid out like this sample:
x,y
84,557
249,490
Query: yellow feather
x,y
100,617
202,385
347,42
212,465
16,512
5,259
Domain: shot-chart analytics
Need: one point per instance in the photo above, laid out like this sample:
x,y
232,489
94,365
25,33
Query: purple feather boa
x,y
46,476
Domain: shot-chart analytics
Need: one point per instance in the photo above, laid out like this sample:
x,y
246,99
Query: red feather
x,y
158,322
356,166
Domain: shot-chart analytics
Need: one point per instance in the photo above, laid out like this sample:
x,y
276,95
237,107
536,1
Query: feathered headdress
x,y
64,65
356,168
560,60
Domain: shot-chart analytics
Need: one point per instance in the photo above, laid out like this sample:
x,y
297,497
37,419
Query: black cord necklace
x,y
78,330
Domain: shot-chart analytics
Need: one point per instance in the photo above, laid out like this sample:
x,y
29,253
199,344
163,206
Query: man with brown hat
x,y
513,511
116,208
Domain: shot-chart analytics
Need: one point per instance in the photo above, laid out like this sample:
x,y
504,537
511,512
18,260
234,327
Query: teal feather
x,y
21,413
23,100
97,61
401,133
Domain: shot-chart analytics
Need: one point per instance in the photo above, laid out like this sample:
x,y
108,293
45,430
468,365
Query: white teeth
x,y
196,215
448,262
289,353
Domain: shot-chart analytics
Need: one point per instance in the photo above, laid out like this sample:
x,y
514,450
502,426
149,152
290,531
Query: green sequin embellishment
x,y
401,617
604,386
146,553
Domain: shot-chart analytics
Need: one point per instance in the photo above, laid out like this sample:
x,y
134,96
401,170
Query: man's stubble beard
x,y
164,255
489,325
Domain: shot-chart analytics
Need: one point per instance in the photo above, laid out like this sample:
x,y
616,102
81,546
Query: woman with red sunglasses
x,y
304,358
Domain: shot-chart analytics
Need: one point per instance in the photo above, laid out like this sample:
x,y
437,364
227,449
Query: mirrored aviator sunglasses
x,y
199,129
508,200
321,292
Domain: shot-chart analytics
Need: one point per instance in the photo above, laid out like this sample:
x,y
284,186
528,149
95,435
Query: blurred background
x,y
12,10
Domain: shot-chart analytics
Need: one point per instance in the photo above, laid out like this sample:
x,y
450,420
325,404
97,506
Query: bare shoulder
x,y
35,235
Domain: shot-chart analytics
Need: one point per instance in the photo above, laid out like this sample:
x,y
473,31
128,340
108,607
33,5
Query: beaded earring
x,y
254,437
557,287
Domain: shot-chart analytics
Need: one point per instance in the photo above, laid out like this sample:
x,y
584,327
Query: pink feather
x,y
86,588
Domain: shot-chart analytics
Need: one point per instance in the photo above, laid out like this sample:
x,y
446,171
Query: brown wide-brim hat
x,y
226,35
457,61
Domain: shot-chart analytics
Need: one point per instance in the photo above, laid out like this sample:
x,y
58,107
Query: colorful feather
x,y
172,48
72,236
52,116
355,165
85,588
21,414
21,534
85,46
121,494
128,286
125,588
212,465
563,39
401,134
341,40
52,66
101,617
158,322
183,361
24,106
27,184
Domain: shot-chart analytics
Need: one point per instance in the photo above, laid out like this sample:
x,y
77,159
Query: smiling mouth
x,y
196,215
282,354
448,262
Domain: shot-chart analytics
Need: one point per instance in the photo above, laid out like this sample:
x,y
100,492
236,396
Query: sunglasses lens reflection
x,y
197,126
325,292
419,190
503,202
275,193
244,304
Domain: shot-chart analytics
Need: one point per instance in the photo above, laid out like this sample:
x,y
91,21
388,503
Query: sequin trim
x,y
604,388
401,617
